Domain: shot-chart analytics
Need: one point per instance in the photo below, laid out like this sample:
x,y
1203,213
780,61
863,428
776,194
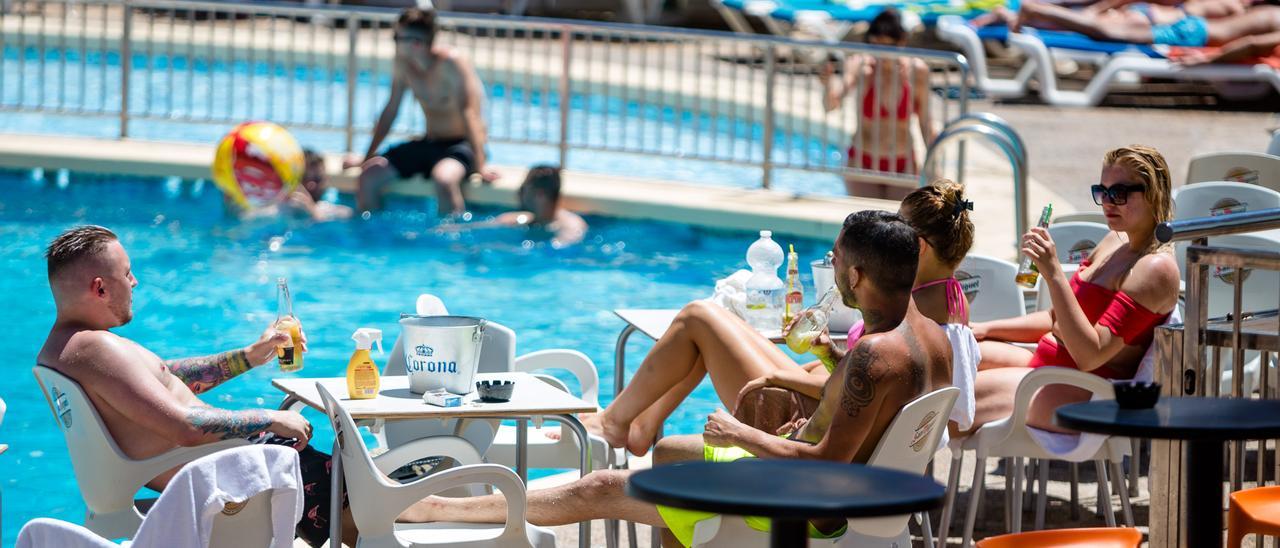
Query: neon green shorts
x,y
682,522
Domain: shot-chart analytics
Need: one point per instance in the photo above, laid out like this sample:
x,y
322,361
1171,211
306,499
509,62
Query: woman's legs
x,y
997,354
703,336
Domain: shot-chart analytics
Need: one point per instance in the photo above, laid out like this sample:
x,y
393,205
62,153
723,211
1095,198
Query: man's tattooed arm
x,y
859,384
229,424
204,373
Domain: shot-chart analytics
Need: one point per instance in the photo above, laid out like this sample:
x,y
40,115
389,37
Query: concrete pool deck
x,y
723,208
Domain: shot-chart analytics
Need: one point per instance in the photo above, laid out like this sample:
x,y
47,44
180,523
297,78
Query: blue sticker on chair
x,y
62,407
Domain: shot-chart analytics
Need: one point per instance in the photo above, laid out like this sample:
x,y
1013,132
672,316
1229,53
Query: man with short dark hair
x,y
450,94
540,205
901,356
149,405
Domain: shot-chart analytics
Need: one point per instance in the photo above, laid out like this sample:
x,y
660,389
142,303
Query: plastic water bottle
x,y
765,290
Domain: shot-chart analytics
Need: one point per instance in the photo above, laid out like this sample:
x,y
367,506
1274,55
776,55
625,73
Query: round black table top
x,y
1178,419
786,489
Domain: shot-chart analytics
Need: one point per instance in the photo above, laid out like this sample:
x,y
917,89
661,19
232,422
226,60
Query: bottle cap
x,y
766,233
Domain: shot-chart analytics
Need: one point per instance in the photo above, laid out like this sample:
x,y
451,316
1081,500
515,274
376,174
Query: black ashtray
x,y
495,391
1137,395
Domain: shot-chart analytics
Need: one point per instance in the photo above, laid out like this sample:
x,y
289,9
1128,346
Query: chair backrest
x,y
1092,216
244,524
107,478
908,445
1259,286
1097,537
1274,148
989,284
1215,198
1244,167
1076,240
1043,300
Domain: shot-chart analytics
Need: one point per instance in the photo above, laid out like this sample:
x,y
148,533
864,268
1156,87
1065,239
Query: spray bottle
x,y
363,379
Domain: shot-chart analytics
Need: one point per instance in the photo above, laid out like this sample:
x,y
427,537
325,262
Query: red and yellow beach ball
x,y
257,164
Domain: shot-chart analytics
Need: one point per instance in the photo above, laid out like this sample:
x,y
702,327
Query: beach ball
x,y
257,163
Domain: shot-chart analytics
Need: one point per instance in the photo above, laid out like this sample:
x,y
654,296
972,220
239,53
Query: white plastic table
x,y
532,398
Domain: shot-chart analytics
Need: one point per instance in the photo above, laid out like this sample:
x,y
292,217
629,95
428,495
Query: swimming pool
x,y
206,284
294,96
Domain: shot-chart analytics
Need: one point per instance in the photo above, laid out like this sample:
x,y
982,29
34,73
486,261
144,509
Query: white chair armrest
x,y
395,499
447,446
1044,376
183,455
572,361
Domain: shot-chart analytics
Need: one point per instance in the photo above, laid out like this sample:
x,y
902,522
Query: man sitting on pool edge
x,y
902,356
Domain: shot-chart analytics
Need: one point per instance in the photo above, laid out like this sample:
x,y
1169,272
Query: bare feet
x,y
615,433
590,421
640,438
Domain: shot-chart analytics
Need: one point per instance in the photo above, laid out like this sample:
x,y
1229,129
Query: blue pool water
x,y
206,284
297,95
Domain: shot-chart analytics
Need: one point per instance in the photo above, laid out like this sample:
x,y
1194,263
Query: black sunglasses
x,y
1117,194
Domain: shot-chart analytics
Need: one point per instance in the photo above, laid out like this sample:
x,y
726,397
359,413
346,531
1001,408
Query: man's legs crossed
x,y
598,495
447,175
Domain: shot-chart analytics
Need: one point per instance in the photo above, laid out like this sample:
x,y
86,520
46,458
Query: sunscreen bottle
x,y
363,379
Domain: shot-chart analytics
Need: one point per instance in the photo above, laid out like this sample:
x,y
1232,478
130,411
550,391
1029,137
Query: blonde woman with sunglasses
x,y
1103,317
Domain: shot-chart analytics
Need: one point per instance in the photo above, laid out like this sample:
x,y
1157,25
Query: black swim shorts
x,y
317,471
420,156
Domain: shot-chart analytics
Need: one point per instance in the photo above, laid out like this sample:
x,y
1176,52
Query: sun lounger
x,y
832,20
1115,60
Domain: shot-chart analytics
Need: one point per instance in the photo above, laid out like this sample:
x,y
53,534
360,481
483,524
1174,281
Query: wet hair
x,y
1145,165
546,179
884,246
888,24
940,214
75,245
310,156
420,19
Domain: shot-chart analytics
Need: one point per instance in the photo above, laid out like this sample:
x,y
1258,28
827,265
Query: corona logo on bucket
x,y
441,352
257,164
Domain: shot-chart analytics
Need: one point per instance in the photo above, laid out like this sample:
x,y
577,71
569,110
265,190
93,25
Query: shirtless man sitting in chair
x,y
902,356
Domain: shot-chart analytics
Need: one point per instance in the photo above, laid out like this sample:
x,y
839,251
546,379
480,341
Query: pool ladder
x,y
996,130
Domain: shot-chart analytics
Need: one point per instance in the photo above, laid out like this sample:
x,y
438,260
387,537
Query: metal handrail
x,y
1220,225
996,130
681,72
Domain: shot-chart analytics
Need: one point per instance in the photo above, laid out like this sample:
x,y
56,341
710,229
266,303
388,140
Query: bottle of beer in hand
x,y
288,354
1028,274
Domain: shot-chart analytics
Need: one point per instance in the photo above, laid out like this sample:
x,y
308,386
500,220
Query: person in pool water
x,y
449,93
902,356
541,206
306,200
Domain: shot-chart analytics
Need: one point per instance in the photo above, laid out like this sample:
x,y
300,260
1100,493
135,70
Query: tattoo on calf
x,y
229,424
859,385
203,373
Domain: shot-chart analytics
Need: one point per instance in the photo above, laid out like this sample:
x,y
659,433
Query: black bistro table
x,y
1205,423
788,491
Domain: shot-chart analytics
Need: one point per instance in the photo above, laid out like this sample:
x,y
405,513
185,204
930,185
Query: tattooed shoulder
x,y
859,383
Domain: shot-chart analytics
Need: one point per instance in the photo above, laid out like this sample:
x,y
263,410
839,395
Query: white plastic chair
x,y
266,517
377,500
1043,301
1011,437
107,478
989,283
1209,199
902,448
1076,240
1246,167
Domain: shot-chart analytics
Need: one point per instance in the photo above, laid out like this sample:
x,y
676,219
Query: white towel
x,y
1083,446
183,516
965,357
731,293
55,533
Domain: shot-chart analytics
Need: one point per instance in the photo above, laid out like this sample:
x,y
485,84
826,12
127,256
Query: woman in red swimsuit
x,y
887,94
1103,317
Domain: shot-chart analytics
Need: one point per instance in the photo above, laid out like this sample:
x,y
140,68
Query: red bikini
x,y
1109,308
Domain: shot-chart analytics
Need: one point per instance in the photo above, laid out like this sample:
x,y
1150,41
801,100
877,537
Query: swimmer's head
x,y
91,277
887,29
415,31
313,176
540,192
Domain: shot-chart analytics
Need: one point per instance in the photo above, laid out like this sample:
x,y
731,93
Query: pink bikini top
x,y
956,306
